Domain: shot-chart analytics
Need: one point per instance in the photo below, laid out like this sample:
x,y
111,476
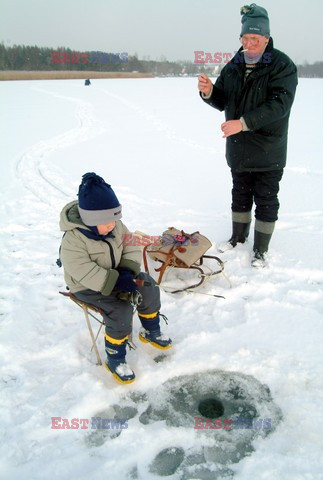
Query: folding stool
x,y
87,309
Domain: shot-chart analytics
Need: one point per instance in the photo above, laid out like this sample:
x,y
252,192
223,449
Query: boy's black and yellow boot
x,y
150,331
116,359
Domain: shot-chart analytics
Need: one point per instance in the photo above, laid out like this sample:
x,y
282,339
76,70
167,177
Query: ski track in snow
x,y
31,167
48,370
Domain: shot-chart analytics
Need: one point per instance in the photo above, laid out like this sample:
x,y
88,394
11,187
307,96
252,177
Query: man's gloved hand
x,y
125,281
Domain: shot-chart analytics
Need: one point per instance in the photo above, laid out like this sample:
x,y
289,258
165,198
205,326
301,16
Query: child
x,y
98,269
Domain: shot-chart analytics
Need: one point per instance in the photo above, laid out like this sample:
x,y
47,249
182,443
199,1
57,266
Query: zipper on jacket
x,y
113,260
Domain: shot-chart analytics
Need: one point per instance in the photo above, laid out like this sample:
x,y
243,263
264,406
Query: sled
x,y
180,250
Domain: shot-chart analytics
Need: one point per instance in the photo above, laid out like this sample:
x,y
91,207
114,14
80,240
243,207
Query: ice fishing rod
x,y
145,283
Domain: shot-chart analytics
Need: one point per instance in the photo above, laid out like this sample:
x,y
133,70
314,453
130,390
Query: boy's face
x,y
106,228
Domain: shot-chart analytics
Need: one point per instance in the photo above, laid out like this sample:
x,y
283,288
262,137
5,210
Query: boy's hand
x,y
125,282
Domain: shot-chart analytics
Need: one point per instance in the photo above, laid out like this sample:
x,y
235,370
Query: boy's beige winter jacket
x,y
91,264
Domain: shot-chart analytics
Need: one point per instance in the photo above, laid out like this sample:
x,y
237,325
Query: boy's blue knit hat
x,y
97,202
254,20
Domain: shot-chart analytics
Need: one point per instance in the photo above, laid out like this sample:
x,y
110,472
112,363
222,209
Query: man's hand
x,y
204,84
231,128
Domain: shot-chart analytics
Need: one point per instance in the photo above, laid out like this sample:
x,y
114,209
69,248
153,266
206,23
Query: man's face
x,y
254,44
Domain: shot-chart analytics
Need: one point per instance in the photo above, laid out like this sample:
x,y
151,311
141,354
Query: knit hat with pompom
x,y
254,20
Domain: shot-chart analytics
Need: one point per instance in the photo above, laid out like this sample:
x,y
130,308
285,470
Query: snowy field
x,y
162,150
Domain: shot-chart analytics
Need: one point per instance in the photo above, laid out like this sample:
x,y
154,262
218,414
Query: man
x,y
256,91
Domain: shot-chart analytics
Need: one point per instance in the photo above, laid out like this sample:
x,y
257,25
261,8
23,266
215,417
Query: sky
x,y
154,29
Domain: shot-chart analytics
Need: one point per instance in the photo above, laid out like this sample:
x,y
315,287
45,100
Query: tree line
x,y
33,58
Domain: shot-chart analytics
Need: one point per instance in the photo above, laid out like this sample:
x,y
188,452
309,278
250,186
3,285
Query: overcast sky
x,y
154,28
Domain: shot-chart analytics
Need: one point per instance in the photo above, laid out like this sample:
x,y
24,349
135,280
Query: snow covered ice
x,y
162,150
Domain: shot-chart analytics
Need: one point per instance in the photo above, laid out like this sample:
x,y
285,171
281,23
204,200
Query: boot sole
x,y
259,264
144,340
119,379
227,246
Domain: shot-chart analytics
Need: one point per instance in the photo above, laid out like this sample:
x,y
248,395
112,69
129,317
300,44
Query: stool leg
x,y
97,335
85,310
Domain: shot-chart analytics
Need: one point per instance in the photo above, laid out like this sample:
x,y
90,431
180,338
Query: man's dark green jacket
x,y
264,100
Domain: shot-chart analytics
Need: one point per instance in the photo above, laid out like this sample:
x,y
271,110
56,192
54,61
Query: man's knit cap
x,y
254,20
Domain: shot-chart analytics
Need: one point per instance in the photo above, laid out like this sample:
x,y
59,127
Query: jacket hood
x,y
70,217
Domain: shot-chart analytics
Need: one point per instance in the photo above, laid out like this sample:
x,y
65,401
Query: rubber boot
x,y
240,233
260,246
116,359
150,331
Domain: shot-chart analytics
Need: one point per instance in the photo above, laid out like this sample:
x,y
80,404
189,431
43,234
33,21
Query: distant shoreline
x,y
66,75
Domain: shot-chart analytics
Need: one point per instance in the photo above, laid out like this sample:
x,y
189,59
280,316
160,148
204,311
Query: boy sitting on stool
x,y
99,269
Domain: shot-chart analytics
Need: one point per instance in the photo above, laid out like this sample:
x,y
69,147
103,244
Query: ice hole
x,y
211,408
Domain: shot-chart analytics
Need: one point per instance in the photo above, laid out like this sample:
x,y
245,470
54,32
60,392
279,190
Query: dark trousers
x,y
259,187
118,313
